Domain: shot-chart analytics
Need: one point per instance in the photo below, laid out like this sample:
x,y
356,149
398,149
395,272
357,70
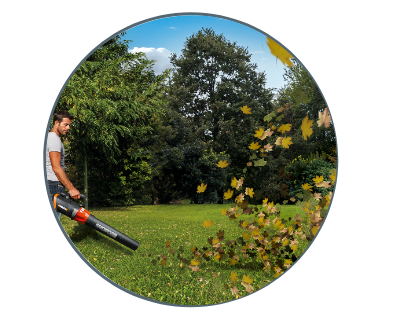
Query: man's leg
x,y
60,189
56,187
53,185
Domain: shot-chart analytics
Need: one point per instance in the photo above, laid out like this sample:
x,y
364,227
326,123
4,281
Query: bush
x,y
301,171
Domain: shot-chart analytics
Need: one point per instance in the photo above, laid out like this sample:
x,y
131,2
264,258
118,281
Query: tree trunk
x,y
85,182
155,192
221,196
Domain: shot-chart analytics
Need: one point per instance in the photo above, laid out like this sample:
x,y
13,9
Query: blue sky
x,y
159,38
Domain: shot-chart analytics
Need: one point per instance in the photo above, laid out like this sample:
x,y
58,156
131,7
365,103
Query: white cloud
x,y
172,27
161,55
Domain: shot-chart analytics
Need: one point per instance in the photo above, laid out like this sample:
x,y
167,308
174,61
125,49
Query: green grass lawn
x,y
140,272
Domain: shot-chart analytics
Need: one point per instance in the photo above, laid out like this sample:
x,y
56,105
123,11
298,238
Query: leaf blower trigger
x,y
63,204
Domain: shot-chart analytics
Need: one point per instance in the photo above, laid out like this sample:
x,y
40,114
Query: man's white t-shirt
x,y
53,144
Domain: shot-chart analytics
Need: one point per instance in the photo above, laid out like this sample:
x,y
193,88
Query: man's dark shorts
x,y
55,187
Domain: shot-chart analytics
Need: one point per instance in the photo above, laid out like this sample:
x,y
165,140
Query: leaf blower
x,y
63,204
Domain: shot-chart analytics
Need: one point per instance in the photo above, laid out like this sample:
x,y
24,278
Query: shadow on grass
x,y
82,232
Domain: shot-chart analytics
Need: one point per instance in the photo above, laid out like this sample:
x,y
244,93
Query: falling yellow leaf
x,y
207,224
222,164
247,279
279,52
314,230
318,179
254,146
201,188
285,127
234,277
223,212
249,192
246,110
306,128
234,182
259,132
286,142
246,235
228,194
306,186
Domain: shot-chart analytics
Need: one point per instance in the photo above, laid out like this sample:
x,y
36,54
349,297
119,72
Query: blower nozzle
x,y
63,204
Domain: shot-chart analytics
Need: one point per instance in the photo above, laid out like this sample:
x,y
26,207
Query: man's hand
x,y
74,193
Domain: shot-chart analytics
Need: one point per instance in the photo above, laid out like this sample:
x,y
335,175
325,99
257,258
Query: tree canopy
x,y
115,97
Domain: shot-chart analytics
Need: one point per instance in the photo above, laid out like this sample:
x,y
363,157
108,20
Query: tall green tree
x,y
211,81
180,162
115,97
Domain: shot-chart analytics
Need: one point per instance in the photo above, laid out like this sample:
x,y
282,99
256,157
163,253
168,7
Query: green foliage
x,y
165,147
211,81
298,166
200,167
303,171
126,183
133,185
115,98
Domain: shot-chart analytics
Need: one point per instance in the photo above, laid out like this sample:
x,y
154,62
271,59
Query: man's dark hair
x,y
59,115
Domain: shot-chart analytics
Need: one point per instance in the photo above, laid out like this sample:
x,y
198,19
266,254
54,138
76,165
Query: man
x,y
56,176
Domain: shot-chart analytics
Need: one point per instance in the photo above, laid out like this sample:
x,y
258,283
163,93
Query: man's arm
x,y
55,159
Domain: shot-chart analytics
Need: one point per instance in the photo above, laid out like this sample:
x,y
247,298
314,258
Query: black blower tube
x,y
63,204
